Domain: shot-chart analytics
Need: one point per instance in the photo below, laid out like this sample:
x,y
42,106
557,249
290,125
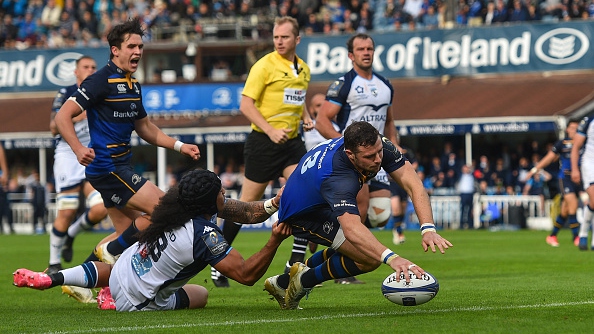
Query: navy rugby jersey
x,y
112,98
563,149
326,177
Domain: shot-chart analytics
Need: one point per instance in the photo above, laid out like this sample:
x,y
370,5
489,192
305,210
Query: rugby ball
x,y
418,291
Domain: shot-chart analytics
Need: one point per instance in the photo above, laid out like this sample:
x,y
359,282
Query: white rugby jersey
x,y
81,128
181,254
361,99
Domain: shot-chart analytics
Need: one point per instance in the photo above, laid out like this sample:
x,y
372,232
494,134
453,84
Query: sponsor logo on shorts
x,y
116,199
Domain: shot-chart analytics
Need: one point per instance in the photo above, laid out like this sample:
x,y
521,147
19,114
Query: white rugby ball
x,y
418,291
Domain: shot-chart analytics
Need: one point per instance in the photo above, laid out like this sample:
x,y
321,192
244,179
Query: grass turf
x,y
490,282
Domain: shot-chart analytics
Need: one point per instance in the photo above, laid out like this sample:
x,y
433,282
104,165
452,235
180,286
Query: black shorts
x,y
117,187
568,186
318,226
265,161
398,191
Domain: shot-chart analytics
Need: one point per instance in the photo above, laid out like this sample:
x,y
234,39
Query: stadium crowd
x,y
84,23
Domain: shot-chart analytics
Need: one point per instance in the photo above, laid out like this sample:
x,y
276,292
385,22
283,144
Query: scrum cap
x,y
198,191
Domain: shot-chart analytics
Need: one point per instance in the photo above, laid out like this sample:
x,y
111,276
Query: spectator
x,y
519,13
8,32
5,210
27,30
50,16
536,186
430,19
465,188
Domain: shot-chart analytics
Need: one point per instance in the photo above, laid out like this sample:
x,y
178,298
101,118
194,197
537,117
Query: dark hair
x,y
360,134
195,195
117,35
361,36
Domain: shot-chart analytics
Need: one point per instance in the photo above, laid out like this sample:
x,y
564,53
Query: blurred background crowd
x,y
83,23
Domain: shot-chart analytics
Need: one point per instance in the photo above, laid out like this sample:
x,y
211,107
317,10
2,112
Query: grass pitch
x,y
490,282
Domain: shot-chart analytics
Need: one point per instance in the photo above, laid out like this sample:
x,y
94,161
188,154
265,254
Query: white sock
x,y
77,276
585,225
82,223
56,243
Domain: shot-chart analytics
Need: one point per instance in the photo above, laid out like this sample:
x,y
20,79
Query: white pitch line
x,y
324,317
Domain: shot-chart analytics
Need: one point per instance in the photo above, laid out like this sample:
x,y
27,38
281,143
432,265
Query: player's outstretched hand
x,y
191,150
432,239
401,266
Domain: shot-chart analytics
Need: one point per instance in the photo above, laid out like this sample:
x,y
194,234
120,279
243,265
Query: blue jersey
x,y
325,177
563,149
112,99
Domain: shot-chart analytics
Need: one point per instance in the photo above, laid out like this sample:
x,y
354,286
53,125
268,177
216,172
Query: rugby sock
x,y
319,257
398,223
585,226
230,230
82,223
128,237
574,225
298,252
337,266
57,240
557,225
84,275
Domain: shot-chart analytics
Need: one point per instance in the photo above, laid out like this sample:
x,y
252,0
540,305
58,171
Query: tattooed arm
x,y
247,212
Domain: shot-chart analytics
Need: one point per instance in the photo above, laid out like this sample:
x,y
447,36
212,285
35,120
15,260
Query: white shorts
x,y
68,173
587,174
123,304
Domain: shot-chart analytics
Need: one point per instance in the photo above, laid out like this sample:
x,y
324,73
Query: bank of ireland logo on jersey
x,y
60,70
561,46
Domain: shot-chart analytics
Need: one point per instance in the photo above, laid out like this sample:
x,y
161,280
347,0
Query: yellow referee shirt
x,y
278,91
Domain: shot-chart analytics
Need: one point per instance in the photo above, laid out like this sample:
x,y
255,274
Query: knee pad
x,y
94,198
67,201
380,211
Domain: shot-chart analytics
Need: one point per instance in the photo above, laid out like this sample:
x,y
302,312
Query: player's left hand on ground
x,y
432,239
191,150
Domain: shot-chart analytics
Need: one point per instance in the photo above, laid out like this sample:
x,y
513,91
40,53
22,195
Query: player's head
x,y
361,48
316,103
364,148
199,192
572,126
360,36
285,35
125,43
85,66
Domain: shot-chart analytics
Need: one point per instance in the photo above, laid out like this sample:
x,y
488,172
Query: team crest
x,y
374,92
328,227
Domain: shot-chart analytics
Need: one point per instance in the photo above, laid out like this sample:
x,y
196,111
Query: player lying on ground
x,y
181,240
